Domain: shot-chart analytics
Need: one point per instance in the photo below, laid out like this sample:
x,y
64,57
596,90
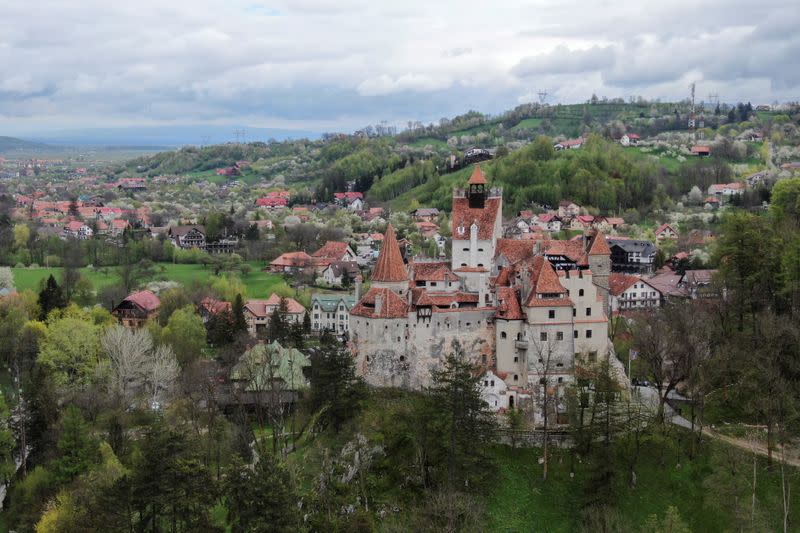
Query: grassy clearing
x,y
527,124
430,141
259,284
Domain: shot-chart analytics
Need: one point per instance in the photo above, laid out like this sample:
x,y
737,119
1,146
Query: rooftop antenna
x,y
692,109
543,94
713,99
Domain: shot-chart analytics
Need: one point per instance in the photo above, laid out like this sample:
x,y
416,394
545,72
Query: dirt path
x,y
746,445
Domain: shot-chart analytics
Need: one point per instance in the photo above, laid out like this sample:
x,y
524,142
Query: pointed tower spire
x,y
390,267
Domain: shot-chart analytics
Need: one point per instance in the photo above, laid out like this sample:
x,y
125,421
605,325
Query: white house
x,y
631,292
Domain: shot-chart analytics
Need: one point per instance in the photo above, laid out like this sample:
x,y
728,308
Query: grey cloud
x,y
565,61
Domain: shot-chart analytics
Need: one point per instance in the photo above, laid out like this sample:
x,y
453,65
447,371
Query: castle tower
x,y
476,189
600,263
390,271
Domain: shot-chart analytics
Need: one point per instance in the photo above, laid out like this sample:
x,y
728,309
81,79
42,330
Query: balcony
x,y
521,344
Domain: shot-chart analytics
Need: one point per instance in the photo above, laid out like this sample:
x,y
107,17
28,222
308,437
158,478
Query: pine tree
x,y
78,449
51,297
260,498
239,322
467,425
335,388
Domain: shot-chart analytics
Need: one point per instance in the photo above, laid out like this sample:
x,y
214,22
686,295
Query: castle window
x,y
367,359
580,292
516,359
588,334
559,335
588,311
503,335
398,339
543,336
560,380
516,377
575,334
402,358
551,313
465,250
574,312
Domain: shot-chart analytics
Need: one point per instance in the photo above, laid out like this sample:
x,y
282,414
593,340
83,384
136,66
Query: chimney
x,y
358,288
378,303
482,291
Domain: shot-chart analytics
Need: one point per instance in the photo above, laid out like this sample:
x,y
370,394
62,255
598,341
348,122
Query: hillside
x,y
12,144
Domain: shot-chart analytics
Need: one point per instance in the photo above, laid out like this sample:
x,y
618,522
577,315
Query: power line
x,y
543,94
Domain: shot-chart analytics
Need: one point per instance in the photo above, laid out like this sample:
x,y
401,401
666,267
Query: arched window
x,y
580,292
503,335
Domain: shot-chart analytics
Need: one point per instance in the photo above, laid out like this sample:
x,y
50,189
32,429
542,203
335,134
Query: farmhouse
x,y
137,308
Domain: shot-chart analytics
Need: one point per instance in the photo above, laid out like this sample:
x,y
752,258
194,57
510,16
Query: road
x,y
649,396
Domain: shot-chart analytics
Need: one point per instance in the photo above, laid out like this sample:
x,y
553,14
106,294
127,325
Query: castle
x,y
525,311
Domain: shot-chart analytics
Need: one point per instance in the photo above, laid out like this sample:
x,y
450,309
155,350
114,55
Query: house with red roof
x,y
272,203
665,231
137,308
702,151
632,292
292,263
257,313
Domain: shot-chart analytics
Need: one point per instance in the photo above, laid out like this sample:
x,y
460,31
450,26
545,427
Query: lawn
x,y
259,284
430,141
528,124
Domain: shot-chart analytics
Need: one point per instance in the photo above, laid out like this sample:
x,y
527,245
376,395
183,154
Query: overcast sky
x,y
339,65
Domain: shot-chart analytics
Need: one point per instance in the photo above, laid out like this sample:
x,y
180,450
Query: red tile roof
x,y
390,265
464,215
619,283
144,299
599,245
391,305
514,250
332,250
664,226
508,307
262,308
293,259
477,177
435,271
214,306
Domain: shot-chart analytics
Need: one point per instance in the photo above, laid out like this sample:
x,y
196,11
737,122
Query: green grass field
x,y
258,283
528,123
430,141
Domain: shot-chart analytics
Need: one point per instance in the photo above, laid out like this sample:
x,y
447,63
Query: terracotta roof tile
x,y
391,305
434,271
477,177
508,307
332,250
390,266
514,250
463,216
144,299
599,245
619,283
293,259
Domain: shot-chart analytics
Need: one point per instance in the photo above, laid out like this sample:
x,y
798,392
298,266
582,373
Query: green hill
x,y
12,144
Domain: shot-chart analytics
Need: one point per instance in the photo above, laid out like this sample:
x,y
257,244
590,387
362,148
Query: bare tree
x,y
543,361
162,372
128,351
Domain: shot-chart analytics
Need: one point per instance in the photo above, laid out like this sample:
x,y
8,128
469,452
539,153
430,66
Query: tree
x,y
467,425
239,321
186,334
78,449
671,523
51,297
127,351
70,350
335,389
278,327
260,497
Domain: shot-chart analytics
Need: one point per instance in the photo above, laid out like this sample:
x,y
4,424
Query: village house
x,y
269,368
132,185
187,237
332,251
340,273
136,309
725,189
331,312
629,139
77,230
425,214
632,256
292,263
607,224
699,283
427,229
210,307
569,144
581,222
701,151
257,313
665,231
530,311
631,292
547,222
567,209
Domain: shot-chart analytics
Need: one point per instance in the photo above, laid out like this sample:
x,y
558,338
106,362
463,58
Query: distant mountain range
x,y
167,136
12,144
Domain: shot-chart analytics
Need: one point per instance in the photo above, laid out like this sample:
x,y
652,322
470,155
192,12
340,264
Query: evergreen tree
x,y
51,297
278,328
335,388
307,323
260,498
467,425
77,448
239,322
